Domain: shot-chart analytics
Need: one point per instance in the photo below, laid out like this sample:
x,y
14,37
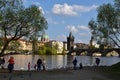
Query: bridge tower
x,y
70,41
91,43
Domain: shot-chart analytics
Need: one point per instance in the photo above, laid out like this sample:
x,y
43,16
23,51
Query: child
x,y
43,64
29,66
35,67
80,66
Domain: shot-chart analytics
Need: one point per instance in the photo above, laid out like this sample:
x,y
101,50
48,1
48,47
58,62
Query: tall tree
x,y
16,21
107,25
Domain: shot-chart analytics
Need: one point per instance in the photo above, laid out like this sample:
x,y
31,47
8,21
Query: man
x,y
75,63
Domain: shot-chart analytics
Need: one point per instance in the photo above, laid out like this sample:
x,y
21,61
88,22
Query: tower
x,y
91,42
70,42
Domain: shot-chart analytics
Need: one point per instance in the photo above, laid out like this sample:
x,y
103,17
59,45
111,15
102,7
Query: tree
x,y
47,50
106,30
14,46
42,50
17,22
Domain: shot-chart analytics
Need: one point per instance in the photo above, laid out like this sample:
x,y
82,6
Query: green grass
x,y
115,67
113,72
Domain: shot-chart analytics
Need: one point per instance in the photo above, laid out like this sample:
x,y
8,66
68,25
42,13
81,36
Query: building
x,y
58,45
82,46
70,42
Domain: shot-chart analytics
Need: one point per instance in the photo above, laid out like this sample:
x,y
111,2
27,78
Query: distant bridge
x,y
90,52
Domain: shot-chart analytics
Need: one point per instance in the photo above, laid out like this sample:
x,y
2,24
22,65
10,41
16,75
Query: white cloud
x,y
81,27
64,9
71,10
81,8
71,28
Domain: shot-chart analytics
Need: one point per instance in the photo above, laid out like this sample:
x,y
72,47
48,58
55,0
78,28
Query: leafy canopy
x,y
106,30
17,22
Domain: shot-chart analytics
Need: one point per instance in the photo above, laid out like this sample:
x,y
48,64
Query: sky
x,y
65,16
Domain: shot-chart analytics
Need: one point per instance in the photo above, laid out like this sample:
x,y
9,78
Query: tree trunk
x,y
4,48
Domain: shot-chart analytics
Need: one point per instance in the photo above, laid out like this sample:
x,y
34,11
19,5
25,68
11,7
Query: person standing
x,y
39,63
3,61
97,61
11,64
43,64
29,66
75,63
35,67
0,61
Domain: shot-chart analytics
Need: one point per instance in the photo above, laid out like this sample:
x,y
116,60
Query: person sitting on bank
x,y
80,66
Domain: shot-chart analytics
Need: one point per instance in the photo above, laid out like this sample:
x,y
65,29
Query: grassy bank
x,y
116,67
113,72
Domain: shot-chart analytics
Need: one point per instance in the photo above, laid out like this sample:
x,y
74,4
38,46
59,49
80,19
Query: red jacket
x,y
11,61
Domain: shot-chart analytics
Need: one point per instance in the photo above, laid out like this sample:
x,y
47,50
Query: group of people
x,y
75,64
10,63
41,64
97,61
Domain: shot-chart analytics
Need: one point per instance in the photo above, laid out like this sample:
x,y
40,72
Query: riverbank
x,y
87,73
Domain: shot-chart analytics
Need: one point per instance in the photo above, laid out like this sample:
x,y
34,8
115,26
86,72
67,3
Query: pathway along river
x,y
58,61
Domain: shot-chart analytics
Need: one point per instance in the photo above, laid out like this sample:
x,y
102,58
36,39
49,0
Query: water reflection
x,y
58,61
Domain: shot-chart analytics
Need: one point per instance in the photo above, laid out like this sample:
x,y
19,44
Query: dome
x,y
45,36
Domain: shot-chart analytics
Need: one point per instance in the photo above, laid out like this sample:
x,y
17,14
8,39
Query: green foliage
x,y
14,46
106,30
17,21
54,51
1,43
42,50
47,50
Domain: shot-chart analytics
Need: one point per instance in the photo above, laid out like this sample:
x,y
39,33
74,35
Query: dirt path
x,y
83,74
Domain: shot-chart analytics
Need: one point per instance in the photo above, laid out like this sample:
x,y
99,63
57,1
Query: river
x,y
58,61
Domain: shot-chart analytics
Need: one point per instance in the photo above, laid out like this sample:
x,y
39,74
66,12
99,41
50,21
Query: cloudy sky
x,y
65,16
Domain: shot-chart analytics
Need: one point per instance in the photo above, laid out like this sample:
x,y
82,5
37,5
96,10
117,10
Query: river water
x,y
58,61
